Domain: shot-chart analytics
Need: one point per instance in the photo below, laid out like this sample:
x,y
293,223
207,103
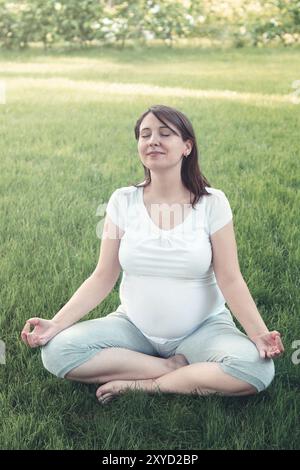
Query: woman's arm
x,y
90,294
96,287
243,307
237,295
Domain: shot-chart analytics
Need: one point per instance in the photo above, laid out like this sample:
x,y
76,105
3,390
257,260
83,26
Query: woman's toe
x,y
106,399
102,390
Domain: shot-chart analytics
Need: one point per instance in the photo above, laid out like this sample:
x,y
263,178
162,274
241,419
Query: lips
x,y
155,153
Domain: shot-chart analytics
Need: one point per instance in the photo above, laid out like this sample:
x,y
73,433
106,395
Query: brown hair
x,y
191,175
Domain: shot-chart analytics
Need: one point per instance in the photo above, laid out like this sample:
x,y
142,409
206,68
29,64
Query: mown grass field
x,y
67,142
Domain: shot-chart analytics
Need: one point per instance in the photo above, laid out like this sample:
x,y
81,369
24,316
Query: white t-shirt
x,y
168,285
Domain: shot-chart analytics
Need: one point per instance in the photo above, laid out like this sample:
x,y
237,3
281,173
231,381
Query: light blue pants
x,y
217,339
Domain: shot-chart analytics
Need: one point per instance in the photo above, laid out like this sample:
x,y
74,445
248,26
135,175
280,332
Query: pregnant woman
x,y
173,238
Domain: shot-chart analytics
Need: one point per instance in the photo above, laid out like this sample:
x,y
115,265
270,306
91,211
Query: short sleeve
x,y
219,211
116,208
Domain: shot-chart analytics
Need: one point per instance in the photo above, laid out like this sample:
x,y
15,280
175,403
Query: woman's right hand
x,y
42,332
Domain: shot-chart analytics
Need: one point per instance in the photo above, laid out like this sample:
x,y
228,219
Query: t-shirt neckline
x,y
178,226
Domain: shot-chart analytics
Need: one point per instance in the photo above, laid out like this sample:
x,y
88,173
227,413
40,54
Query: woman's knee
x,y
52,355
259,373
265,372
269,368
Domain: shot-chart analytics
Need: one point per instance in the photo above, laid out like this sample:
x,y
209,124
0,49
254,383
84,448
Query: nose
x,y
153,138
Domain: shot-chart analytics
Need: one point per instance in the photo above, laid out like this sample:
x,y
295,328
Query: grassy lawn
x,y
67,142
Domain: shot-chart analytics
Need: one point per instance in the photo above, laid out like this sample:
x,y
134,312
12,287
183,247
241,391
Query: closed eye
x,y
163,135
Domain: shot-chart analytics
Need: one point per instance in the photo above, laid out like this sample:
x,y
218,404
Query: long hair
x,y
191,175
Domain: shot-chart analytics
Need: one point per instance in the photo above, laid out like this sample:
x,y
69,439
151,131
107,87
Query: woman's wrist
x,y
256,334
57,324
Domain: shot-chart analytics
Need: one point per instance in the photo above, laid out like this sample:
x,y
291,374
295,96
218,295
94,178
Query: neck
x,y
167,188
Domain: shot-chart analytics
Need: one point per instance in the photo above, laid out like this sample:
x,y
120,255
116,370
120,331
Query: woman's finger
x,y
275,353
33,321
279,343
24,338
275,338
35,340
25,332
31,338
275,333
26,328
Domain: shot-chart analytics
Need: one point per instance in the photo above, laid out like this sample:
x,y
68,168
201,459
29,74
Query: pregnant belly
x,y
168,307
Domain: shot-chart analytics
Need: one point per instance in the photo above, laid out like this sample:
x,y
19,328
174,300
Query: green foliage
x,y
15,26
241,22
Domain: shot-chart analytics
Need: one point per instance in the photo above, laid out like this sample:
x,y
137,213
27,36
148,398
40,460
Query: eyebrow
x,y
160,127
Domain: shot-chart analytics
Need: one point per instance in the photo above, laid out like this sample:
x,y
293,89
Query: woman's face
x,y
155,136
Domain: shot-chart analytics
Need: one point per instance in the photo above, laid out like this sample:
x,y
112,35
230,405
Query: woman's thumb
x,y
33,321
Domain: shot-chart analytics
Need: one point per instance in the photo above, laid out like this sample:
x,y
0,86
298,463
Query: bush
x,y
253,22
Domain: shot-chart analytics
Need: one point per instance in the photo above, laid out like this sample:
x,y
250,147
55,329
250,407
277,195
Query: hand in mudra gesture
x,y
269,344
42,332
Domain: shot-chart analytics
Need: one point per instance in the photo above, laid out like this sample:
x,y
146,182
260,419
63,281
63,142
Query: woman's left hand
x,y
269,344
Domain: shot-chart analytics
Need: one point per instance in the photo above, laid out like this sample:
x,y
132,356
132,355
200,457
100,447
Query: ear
x,y
189,146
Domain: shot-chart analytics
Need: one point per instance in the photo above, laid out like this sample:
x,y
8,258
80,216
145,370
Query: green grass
x,y
66,144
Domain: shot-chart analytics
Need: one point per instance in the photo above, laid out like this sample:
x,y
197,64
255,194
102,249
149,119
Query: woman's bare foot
x,y
106,392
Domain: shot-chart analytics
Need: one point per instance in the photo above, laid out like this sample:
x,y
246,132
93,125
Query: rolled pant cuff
x,y
238,374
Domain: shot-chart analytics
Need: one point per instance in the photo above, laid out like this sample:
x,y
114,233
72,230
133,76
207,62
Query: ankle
x,y
177,361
